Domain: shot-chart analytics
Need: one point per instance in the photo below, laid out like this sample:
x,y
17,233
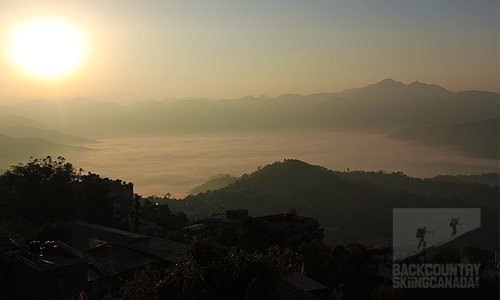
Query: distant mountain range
x,y
350,205
388,105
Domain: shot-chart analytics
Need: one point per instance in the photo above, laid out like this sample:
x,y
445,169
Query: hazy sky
x,y
144,49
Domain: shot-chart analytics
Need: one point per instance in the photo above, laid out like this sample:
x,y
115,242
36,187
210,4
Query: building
x,y
99,260
298,286
294,227
52,269
230,216
497,258
123,251
236,214
4,238
289,227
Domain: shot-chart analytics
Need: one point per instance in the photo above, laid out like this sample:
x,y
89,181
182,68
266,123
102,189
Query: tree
x,y
292,212
136,213
42,190
57,231
478,255
21,226
92,201
448,255
143,286
49,190
210,271
348,268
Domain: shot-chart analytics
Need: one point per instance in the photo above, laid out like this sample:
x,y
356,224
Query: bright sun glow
x,y
47,48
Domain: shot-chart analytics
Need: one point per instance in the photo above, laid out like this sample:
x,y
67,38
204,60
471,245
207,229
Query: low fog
x,y
178,164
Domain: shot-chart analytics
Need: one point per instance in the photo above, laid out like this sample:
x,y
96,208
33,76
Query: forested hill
x,y
348,206
480,190
217,182
491,179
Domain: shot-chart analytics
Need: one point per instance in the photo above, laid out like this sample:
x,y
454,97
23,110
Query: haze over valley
x,y
174,145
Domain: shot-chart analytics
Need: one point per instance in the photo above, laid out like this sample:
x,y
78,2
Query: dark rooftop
x,y
167,250
87,236
305,283
121,259
123,251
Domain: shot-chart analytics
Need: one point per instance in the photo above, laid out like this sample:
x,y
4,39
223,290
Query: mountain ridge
x,y
386,105
341,199
385,83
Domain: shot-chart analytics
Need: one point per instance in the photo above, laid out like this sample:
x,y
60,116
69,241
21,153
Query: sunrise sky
x,y
139,50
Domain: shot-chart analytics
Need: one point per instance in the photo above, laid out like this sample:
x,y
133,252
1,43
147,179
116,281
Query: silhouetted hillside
x,y
475,139
20,149
472,190
349,209
13,120
491,179
23,131
217,182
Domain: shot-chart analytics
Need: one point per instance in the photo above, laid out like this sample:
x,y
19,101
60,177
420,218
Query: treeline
x,y
213,271
50,190
491,179
481,190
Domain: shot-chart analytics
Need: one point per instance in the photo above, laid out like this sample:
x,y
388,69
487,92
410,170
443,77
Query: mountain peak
x,y
247,97
421,85
386,83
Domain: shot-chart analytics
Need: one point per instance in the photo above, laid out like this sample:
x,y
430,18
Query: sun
x,y
47,48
